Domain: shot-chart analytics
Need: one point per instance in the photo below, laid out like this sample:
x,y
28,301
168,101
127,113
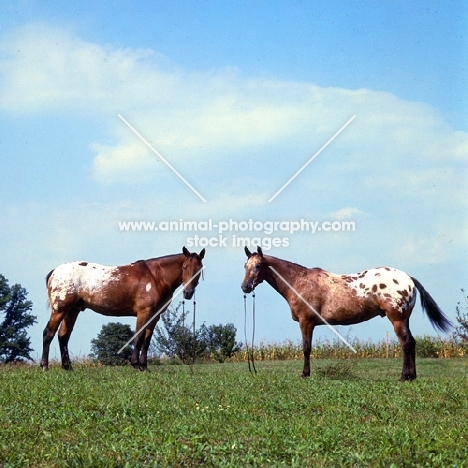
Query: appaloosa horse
x,y
141,289
315,294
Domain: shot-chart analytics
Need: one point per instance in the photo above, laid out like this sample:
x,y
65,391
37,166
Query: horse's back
x,y
70,280
388,285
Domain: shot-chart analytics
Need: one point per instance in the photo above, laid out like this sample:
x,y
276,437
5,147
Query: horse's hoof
x,y
407,378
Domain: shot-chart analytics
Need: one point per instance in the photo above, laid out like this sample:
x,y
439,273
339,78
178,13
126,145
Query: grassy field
x,y
349,413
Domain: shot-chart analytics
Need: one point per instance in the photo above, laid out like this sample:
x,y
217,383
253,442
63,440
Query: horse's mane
x,y
292,264
164,258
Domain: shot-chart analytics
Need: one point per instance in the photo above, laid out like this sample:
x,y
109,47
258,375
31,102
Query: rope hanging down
x,y
183,336
194,332
250,352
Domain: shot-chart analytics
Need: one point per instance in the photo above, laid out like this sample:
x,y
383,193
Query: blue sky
x,y
237,96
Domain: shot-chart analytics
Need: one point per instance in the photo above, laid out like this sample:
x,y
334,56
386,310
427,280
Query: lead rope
x,y
194,333
184,343
250,352
183,336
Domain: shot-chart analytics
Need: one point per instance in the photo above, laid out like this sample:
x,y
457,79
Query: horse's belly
x,y
109,309
345,308
342,316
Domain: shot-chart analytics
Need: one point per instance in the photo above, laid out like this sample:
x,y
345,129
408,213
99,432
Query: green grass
x,y
220,415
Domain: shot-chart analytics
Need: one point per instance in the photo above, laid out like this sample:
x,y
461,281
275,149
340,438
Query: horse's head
x,y
191,269
255,270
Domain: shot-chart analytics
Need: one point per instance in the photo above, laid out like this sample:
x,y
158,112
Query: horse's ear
x,y
259,251
185,251
247,252
202,254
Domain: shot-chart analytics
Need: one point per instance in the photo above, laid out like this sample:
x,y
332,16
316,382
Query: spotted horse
x,y
318,297
142,289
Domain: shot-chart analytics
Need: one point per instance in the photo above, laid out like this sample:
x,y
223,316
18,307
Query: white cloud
x,y
396,156
133,162
202,115
345,213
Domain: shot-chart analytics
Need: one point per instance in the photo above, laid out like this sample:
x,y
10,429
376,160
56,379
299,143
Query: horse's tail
x,y
47,284
48,276
438,319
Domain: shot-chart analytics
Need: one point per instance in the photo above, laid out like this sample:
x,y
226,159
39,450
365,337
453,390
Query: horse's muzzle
x,y
247,286
188,293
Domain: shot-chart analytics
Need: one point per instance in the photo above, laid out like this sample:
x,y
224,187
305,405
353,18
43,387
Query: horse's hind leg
x,y
64,333
408,345
48,335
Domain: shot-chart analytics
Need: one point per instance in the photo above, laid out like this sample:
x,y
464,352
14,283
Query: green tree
x,y
175,338
15,345
221,341
110,339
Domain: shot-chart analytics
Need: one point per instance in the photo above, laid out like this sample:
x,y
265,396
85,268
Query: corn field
x,y
426,346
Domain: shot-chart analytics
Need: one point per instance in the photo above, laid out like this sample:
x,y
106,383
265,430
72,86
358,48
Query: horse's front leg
x,y
138,341
137,344
307,329
144,329
148,334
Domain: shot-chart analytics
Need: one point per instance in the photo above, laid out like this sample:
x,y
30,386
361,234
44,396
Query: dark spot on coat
x,y
377,274
83,263
374,288
382,286
395,281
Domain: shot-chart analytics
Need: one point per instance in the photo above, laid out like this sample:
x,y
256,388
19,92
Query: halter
x,y
250,353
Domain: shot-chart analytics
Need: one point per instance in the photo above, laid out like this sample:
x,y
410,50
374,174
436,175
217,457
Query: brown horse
x,y
316,296
141,289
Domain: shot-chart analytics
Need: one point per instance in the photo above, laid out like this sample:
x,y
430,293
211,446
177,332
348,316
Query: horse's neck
x,y
167,269
283,274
